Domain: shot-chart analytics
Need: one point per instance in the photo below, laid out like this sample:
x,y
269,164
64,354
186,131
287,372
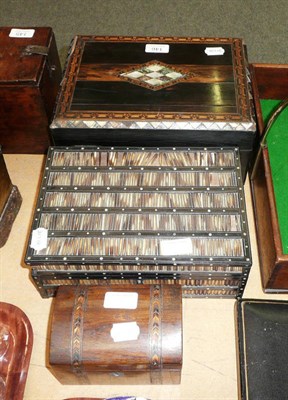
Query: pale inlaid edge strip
x,y
155,331
77,330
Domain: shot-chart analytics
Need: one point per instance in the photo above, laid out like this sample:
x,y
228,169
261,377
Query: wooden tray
x,y
269,82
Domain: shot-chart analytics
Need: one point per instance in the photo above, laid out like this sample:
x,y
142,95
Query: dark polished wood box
x,y
10,202
117,335
262,344
141,215
144,91
30,75
269,82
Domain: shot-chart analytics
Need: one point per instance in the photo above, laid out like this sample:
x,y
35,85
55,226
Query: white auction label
x,y
124,300
21,33
124,331
157,48
214,51
39,239
176,247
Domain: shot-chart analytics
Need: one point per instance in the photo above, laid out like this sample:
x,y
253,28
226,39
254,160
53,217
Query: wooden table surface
x,y
209,359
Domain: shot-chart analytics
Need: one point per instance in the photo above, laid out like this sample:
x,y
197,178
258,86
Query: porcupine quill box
x,y
143,91
117,334
141,215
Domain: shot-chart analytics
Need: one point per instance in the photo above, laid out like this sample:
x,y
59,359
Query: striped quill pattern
x,y
134,157
142,214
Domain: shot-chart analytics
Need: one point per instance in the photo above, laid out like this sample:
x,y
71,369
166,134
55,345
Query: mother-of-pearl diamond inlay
x,y
154,75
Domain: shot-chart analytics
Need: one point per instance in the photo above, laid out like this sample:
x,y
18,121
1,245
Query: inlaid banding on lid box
x,y
196,94
88,350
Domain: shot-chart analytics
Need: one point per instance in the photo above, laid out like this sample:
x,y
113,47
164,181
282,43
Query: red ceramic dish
x,y
16,341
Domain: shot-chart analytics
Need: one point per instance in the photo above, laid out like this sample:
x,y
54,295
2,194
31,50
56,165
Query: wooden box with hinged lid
x,y
30,75
117,335
143,91
141,215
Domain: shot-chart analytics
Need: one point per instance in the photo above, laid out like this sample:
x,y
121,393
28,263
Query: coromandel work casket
x,y
145,91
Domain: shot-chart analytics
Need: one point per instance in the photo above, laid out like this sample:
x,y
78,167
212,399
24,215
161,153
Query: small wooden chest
x,y
30,75
10,202
270,84
147,91
117,335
